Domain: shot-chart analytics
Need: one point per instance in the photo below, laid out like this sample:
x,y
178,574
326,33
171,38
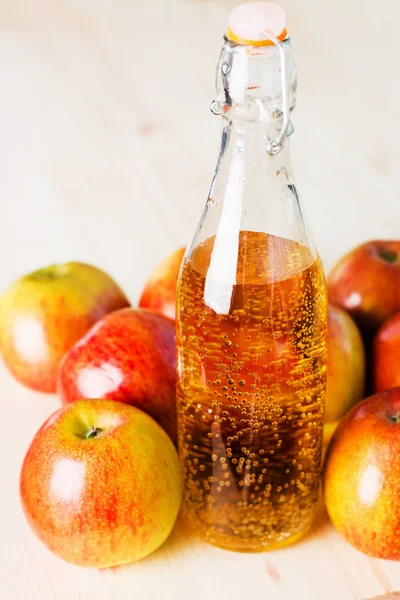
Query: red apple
x,y
346,365
366,283
387,355
362,476
101,484
159,293
44,313
127,356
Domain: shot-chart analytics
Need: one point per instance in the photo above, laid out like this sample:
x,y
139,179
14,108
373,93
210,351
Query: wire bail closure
x,y
275,146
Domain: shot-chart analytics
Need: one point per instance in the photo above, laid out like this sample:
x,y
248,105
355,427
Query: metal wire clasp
x,y
275,146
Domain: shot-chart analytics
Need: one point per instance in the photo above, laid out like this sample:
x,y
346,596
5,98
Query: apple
x,y
101,484
329,430
366,283
128,356
393,596
386,355
346,365
159,293
45,312
362,476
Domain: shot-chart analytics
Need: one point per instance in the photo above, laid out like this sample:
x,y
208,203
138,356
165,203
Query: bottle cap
x,y
248,24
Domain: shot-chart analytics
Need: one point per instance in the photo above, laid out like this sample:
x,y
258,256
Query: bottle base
x,y
249,546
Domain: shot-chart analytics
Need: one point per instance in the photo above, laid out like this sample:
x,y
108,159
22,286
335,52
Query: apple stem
x,y
93,433
388,255
395,418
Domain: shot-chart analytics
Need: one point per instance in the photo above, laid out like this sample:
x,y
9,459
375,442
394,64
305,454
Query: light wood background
x,y
107,149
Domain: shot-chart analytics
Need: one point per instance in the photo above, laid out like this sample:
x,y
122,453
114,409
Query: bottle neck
x,y
250,87
253,193
252,140
250,98
245,163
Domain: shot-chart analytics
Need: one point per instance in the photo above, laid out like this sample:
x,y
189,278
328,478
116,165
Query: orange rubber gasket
x,y
257,43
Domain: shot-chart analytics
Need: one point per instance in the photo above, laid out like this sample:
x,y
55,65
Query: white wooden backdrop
x,y
107,148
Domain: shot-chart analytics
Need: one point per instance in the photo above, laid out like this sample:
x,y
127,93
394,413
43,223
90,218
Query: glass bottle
x,y
252,323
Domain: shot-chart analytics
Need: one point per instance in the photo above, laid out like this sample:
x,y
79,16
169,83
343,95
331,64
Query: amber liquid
x,y
251,388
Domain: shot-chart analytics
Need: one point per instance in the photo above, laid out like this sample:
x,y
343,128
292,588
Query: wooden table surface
x,y
107,148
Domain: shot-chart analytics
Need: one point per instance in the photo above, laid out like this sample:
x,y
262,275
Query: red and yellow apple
x,y
101,484
346,367
159,293
366,283
45,312
362,476
128,356
386,355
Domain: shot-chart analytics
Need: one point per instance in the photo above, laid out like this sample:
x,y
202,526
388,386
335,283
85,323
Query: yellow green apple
x,y
346,365
45,312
